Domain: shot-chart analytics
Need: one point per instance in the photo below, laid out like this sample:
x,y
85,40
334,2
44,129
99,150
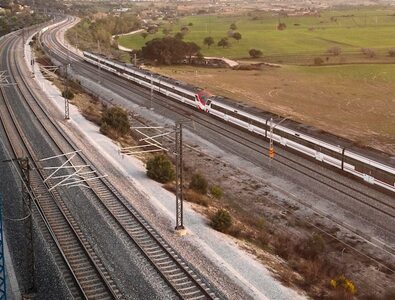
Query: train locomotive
x,y
371,170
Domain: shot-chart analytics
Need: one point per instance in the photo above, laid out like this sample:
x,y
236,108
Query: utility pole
x,y
135,59
66,91
23,39
179,179
98,65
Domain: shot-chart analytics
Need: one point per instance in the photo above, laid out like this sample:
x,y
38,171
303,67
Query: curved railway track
x,y
93,280
252,143
185,281
249,141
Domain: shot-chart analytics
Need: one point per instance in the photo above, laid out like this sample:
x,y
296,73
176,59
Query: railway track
x,y
93,280
259,146
249,141
186,282
385,207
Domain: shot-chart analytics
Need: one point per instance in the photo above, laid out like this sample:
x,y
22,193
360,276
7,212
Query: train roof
x,y
169,80
291,124
312,131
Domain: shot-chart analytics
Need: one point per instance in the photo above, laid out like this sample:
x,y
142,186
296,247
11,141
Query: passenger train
x,y
370,170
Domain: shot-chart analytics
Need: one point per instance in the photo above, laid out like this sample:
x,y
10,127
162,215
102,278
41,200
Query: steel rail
x,y
86,265
253,145
170,265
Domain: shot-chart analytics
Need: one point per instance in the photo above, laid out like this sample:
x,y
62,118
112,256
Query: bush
x,y
335,51
216,191
194,197
255,53
283,246
116,119
68,94
318,61
281,26
221,221
342,282
368,52
312,247
161,169
199,183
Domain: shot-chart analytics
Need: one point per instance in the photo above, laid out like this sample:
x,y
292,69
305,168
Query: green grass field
x,y
351,95
305,36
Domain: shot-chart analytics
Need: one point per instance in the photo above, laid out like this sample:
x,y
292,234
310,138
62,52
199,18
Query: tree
x,y
233,26
237,36
160,168
281,26
230,33
199,56
166,31
179,36
335,51
255,53
191,49
190,24
68,94
144,35
224,42
391,52
208,41
168,50
184,30
152,29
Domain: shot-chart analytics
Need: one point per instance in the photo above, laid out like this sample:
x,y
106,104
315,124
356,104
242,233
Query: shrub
x,y
391,52
335,51
233,26
255,53
312,247
281,26
216,191
342,282
199,183
318,61
221,221
194,197
283,246
161,169
68,94
368,52
115,118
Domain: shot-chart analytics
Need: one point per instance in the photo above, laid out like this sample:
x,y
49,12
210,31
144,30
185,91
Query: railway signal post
x,y
272,126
